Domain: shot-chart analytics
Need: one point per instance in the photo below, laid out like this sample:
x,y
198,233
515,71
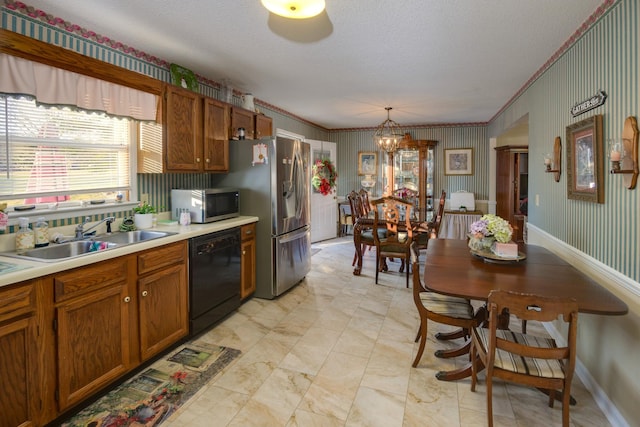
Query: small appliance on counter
x,y
205,205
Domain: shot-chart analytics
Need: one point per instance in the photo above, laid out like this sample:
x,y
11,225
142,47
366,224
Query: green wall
x,y
600,239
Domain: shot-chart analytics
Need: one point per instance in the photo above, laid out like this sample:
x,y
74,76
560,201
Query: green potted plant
x,y
143,217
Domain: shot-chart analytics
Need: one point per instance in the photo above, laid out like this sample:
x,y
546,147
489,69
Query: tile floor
x,y
337,351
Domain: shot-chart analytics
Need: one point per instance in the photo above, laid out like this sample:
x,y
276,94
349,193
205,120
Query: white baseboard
x,y
612,280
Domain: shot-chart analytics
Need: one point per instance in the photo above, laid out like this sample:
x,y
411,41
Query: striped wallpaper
x,y
604,58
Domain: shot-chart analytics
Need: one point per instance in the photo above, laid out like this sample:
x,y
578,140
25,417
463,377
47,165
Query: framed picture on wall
x,y
585,163
458,161
367,163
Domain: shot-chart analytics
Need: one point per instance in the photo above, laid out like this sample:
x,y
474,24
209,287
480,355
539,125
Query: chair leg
x,y
407,275
377,265
422,334
489,401
474,366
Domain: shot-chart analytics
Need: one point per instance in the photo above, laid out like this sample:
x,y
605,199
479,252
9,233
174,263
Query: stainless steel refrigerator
x,y
273,177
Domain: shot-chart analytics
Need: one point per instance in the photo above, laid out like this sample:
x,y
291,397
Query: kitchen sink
x,y
57,252
125,238
60,251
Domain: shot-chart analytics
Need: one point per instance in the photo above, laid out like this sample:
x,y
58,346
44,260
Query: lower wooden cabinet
x,y
248,260
66,336
20,400
92,328
162,298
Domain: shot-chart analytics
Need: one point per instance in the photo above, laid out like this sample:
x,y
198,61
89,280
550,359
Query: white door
x,y
324,209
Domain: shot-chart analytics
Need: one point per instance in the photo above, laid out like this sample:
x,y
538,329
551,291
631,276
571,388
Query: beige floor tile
x,y
337,350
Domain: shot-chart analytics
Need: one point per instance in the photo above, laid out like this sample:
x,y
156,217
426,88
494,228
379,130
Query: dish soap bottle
x,y
25,238
42,233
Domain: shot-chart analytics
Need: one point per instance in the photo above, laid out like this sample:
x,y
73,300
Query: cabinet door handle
x,y
145,293
207,160
197,159
244,252
127,299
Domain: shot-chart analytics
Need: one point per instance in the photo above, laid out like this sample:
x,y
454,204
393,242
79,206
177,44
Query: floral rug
x,y
153,395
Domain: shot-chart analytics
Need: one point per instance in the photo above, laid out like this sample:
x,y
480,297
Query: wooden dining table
x,y
451,269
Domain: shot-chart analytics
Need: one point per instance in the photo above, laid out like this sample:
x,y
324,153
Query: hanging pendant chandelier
x,y
388,135
296,9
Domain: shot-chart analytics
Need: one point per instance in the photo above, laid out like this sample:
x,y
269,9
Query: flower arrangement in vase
x,y
488,230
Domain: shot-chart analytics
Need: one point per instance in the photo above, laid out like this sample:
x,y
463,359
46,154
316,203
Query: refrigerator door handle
x,y
289,237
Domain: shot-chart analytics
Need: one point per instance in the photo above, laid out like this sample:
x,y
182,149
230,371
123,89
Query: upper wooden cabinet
x,y
195,137
241,118
195,133
216,137
182,130
264,126
255,125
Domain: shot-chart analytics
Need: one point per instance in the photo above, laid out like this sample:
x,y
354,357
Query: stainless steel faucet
x,y
81,232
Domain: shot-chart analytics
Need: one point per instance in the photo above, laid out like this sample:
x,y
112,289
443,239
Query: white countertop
x,y
32,269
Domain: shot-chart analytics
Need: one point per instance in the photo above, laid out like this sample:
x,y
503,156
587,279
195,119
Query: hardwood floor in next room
x,y
337,349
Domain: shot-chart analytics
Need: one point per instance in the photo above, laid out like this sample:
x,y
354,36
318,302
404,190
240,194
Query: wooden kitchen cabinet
x,y
195,133
21,396
216,136
241,118
162,298
92,327
113,315
182,130
264,126
248,260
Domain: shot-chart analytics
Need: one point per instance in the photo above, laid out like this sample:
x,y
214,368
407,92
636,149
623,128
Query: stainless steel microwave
x,y
205,205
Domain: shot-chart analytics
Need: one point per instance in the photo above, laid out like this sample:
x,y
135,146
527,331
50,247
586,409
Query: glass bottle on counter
x,y
41,233
25,238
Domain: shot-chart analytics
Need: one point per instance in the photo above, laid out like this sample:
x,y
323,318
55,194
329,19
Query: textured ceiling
x,y
433,61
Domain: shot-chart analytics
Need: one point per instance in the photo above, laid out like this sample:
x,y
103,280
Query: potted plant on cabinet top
x,y
143,217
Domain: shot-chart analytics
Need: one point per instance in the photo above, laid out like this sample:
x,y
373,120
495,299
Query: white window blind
x,y
47,154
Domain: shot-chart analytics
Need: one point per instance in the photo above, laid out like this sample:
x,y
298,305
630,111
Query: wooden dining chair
x,y
525,358
392,232
438,308
356,204
431,229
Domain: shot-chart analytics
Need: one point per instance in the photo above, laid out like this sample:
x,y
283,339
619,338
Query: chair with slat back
x,y
358,211
366,205
392,215
525,358
438,308
410,196
433,226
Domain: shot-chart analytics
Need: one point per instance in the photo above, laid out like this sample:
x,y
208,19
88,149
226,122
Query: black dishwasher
x,y
214,278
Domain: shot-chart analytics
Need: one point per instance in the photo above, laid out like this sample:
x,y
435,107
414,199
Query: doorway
x,y
324,209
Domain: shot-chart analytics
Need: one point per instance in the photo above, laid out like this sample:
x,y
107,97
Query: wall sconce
x,y
624,153
553,162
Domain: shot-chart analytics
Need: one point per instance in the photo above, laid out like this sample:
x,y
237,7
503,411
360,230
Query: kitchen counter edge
x,y
34,269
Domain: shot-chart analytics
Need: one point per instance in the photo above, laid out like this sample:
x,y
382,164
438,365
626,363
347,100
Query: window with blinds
x,y
50,154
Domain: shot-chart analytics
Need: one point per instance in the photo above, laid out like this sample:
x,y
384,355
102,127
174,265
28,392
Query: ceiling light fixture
x,y
295,9
389,134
